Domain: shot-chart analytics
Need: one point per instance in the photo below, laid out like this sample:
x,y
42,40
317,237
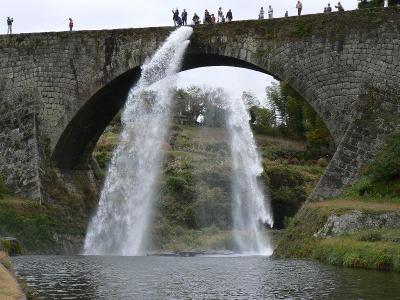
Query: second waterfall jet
x,y
120,226
122,221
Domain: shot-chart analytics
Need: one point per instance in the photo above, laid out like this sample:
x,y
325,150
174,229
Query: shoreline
x,y
10,288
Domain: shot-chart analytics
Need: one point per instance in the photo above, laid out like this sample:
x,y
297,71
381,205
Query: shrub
x,y
103,159
11,246
370,236
386,164
3,189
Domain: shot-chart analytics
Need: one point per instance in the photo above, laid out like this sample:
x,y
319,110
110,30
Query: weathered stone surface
x,y
357,220
59,91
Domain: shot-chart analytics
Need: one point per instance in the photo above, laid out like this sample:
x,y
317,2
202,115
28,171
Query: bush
x,y
33,231
370,236
386,164
103,159
11,246
3,189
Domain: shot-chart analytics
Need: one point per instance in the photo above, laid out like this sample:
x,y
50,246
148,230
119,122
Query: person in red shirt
x,y
212,19
71,24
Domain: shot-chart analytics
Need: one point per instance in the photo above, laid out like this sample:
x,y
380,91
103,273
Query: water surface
x,y
99,277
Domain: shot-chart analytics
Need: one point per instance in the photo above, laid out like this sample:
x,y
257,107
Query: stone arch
x,y
75,145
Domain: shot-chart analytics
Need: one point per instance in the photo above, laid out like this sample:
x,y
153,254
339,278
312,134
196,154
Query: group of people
x,y
328,8
209,18
299,7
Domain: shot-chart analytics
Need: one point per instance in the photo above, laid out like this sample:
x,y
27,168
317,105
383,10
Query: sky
x,y
52,15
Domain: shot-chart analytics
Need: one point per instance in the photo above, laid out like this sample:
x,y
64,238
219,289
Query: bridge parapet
x,y
58,91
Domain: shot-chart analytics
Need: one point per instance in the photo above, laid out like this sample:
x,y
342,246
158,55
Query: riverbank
x,y
9,287
351,232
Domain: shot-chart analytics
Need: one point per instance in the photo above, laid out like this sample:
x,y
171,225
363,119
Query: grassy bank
x,y
9,288
365,248
39,228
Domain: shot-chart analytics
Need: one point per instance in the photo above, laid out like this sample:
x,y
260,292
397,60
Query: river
x,y
101,277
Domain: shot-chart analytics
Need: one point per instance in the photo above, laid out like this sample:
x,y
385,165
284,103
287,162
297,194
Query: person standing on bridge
x,y
299,7
229,16
184,17
71,24
329,8
220,15
9,25
270,12
261,14
339,6
196,19
175,15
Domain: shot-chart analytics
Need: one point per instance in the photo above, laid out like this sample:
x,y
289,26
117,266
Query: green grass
x,y
370,249
348,251
35,225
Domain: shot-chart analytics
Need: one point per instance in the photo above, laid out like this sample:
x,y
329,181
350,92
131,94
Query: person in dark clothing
x,y
207,17
184,17
175,16
286,14
9,25
196,19
339,7
229,16
179,21
329,8
71,24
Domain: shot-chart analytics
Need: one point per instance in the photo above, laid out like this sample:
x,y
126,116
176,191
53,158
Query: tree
x,y
297,119
375,3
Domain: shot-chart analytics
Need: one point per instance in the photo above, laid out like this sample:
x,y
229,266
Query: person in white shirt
x,y
270,12
386,3
220,15
299,7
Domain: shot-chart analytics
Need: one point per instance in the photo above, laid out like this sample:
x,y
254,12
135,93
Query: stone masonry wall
x,y
342,64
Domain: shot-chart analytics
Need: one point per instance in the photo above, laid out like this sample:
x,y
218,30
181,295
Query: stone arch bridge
x,y
58,91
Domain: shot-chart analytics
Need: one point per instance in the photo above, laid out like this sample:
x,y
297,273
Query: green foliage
x,y
194,102
33,231
375,3
4,191
344,251
103,159
370,3
11,247
386,164
297,119
262,120
372,249
381,176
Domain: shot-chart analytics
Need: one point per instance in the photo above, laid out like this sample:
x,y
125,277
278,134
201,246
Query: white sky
x,y
52,15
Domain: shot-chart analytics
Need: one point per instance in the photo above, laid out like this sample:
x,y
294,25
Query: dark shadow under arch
x,y
76,144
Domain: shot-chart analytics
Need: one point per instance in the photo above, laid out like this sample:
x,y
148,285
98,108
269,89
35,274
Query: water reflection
x,y
77,277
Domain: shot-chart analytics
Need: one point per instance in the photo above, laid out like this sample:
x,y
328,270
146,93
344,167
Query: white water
x,y
251,206
121,222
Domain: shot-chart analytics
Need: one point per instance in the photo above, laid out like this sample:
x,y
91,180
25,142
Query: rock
x,y
357,220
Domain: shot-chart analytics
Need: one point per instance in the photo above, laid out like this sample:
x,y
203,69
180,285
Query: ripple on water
x,y
80,277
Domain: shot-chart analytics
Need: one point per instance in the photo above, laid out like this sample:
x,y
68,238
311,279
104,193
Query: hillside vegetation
x,y
368,212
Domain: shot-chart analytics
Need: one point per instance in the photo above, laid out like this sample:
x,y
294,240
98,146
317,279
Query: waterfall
x,y
120,226
250,207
